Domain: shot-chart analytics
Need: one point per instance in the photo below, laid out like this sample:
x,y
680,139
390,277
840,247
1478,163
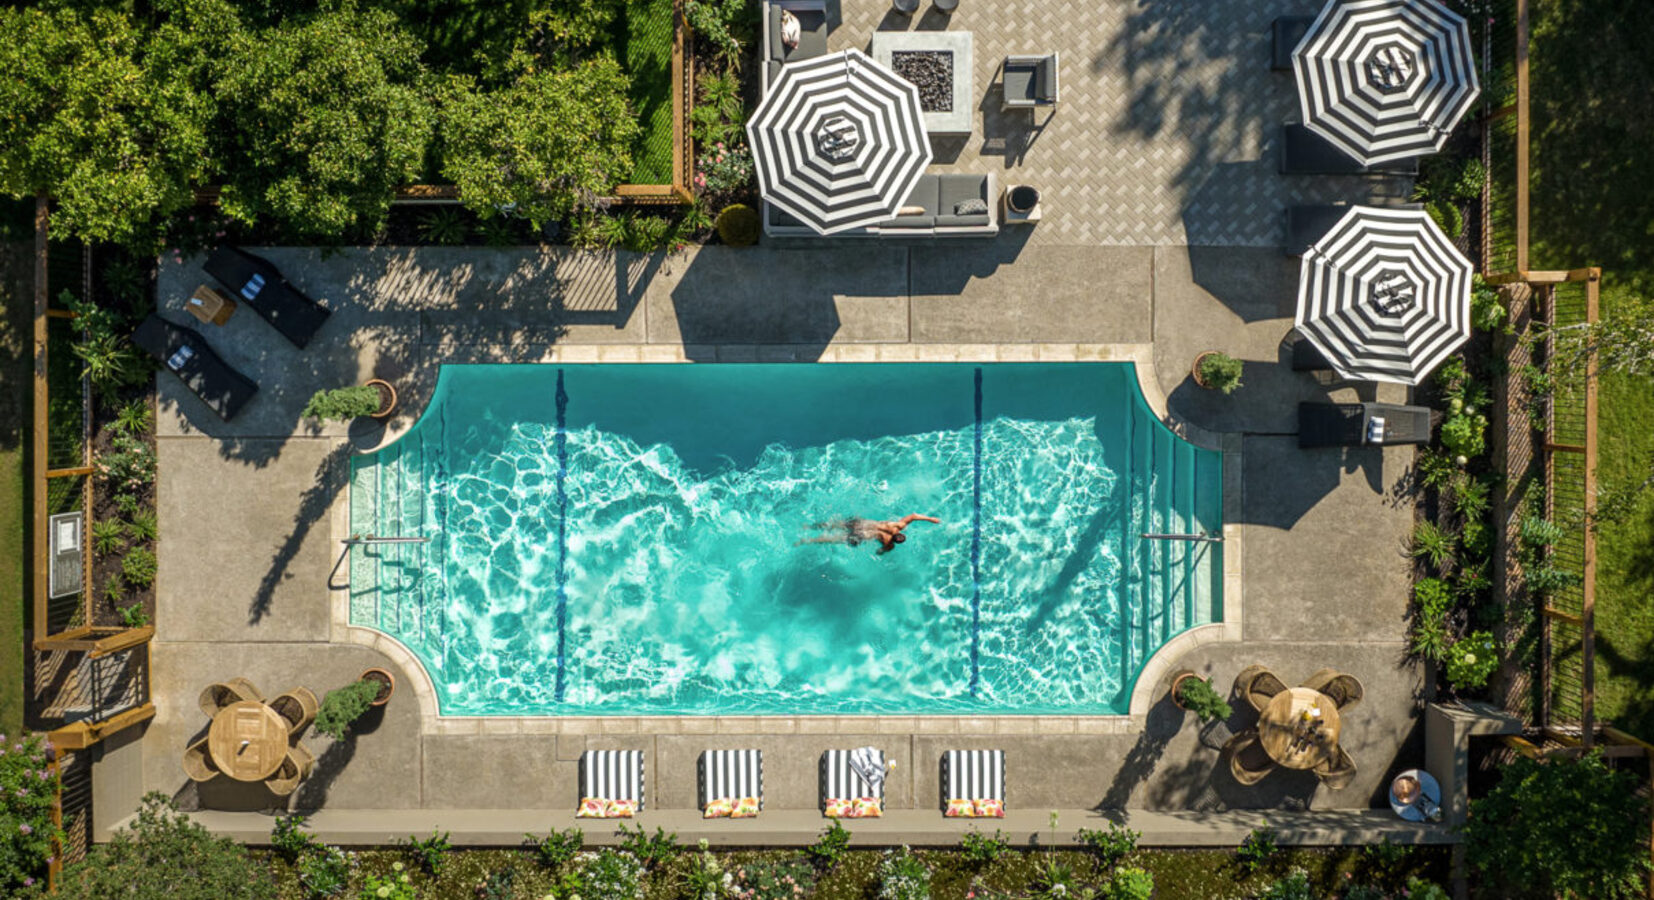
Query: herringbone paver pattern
x,y
1168,129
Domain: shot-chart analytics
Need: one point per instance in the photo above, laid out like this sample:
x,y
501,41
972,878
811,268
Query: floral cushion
x,y
718,809
591,808
745,808
991,809
839,809
960,809
620,809
867,808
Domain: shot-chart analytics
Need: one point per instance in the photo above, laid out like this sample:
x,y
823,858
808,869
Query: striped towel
x,y
973,775
731,775
612,775
841,781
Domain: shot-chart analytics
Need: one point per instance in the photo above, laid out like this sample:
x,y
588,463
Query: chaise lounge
x,y
731,783
973,784
847,793
185,353
611,784
1303,152
257,282
1362,424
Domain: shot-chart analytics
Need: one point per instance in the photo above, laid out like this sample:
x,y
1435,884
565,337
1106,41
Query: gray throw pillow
x,y
972,207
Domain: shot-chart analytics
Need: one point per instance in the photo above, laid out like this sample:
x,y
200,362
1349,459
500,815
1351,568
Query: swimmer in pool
x,y
855,531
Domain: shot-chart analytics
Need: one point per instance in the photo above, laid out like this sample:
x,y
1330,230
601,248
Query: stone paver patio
x,y
1158,243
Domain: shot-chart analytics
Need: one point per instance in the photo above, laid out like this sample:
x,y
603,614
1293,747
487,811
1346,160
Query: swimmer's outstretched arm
x,y
915,517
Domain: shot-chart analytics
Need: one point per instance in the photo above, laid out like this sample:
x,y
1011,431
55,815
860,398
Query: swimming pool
x,y
633,539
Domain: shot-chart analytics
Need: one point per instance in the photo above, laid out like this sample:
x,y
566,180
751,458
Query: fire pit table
x,y
941,65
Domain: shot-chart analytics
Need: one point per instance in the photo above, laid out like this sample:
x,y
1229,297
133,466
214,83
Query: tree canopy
x,y
323,118
549,142
117,138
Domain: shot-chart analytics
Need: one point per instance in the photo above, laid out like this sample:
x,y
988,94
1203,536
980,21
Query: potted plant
x,y
376,398
1217,371
386,682
1196,694
343,706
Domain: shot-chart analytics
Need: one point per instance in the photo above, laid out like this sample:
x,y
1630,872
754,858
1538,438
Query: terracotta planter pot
x,y
387,683
387,397
1194,370
1177,685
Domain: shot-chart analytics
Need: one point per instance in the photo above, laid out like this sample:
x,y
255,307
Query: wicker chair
x,y
1337,772
198,764
1345,690
294,769
1247,760
298,706
217,696
1258,685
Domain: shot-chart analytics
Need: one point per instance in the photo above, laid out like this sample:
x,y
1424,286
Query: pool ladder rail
x,y
1199,538
357,540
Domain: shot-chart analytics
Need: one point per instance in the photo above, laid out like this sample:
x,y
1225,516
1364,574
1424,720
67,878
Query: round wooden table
x,y
1292,741
248,740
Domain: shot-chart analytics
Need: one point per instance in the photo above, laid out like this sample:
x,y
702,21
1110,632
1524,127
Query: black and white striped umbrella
x,y
1385,79
839,141
1384,295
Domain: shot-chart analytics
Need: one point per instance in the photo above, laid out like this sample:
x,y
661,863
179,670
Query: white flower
x,y
1469,658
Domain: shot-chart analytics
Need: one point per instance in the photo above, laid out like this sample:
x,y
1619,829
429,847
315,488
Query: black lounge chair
x,y
1284,35
1355,424
1307,224
1303,152
256,282
185,353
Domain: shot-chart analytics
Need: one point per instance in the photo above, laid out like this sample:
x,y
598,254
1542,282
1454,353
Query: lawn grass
x,y
643,45
1593,176
15,324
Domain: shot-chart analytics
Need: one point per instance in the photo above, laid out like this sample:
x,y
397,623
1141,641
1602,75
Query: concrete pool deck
x,y
250,512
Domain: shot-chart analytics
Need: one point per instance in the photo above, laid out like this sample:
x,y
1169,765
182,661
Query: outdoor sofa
x,y
939,195
812,36
185,353
1307,224
1362,424
257,282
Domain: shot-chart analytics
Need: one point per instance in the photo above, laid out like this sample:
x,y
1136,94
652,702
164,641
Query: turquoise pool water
x,y
626,539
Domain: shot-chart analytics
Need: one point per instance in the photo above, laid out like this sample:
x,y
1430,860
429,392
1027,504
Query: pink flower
x,y
26,828
28,882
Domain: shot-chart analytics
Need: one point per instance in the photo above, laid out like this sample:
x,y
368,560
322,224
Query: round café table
x,y
247,740
1428,801
1292,741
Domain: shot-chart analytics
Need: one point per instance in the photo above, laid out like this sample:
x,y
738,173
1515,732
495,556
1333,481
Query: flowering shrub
x,y
723,168
903,876
394,886
1472,660
782,880
612,875
147,859
27,786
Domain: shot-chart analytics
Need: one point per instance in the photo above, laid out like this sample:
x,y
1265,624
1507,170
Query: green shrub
x,y
979,848
557,848
783,879
324,873
134,616
1220,372
26,800
143,526
650,849
1545,580
1477,539
396,885
290,840
831,846
108,537
443,225
129,464
138,567
613,876
501,884
1295,886
1257,849
1471,660
343,404
1487,311
1434,543
1113,845
642,233
1130,884
724,24
1560,828
1446,215
903,876
1199,697
1437,470
1463,434
127,279
134,419
128,504
428,853
149,859
1468,185
1433,597
498,231
1429,637
1471,500
343,706
737,225
705,878
1419,889
114,589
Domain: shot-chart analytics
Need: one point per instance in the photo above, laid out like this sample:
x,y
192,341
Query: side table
x,y
1009,216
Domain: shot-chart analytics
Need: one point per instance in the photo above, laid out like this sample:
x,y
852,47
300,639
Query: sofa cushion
x,y
951,189
925,193
972,207
781,218
947,221
908,222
